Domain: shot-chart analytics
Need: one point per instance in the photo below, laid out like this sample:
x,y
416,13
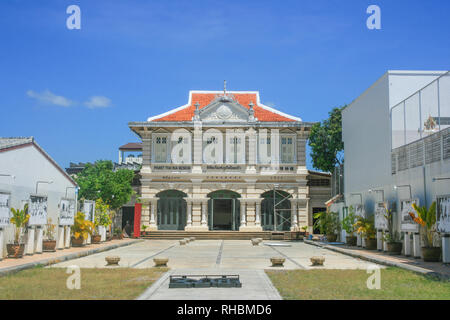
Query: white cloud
x,y
98,102
48,97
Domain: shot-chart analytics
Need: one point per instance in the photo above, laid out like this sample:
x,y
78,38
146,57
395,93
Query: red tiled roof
x,y
261,112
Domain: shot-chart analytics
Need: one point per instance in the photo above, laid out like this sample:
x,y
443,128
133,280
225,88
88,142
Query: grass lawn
x,y
396,284
96,284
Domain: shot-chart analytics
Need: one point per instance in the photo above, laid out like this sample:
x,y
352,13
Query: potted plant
x,y
19,219
81,229
143,228
49,242
392,237
366,228
102,217
427,226
118,234
96,237
348,224
328,224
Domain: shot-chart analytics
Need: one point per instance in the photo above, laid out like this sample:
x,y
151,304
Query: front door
x,y
223,214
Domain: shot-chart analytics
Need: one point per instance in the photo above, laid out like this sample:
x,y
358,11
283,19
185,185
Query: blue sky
x,y
76,90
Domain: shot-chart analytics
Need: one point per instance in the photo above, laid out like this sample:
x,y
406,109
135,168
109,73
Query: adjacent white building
x,y
27,170
397,143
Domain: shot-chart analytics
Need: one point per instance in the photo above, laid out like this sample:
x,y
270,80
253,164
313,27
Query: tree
x,y
326,142
99,181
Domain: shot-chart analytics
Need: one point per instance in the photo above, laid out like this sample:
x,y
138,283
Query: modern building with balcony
x,y
397,149
225,161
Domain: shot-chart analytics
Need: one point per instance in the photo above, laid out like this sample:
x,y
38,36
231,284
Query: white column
x,y
189,213
2,241
358,240
29,250
204,213
417,250
38,244
153,224
407,244
88,240
60,240
294,221
243,216
363,242
445,248
67,237
258,214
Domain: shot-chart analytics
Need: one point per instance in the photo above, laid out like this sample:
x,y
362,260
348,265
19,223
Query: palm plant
x,y
392,236
366,227
19,219
348,223
426,218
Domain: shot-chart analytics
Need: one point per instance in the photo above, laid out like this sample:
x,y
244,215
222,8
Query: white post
x,y
407,244
60,241
30,242
1,243
67,240
358,240
379,240
416,246
385,249
39,235
101,231
88,240
445,248
363,242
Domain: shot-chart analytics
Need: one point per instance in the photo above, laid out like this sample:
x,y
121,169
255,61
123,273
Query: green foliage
x,y
82,227
427,221
326,142
366,227
102,215
327,222
19,219
99,181
348,223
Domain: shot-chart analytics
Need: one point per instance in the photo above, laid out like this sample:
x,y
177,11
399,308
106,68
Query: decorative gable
x,y
233,106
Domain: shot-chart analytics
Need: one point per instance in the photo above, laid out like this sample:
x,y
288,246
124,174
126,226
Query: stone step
x,y
222,235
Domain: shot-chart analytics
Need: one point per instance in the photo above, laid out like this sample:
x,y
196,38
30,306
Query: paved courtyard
x,y
212,257
219,254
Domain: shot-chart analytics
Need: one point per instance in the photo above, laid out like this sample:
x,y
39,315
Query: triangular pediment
x,y
225,110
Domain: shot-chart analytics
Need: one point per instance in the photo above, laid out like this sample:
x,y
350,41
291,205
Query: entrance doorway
x,y
171,210
223,210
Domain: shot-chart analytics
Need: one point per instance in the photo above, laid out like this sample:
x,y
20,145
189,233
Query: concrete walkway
x,y
256,285
218,257
436,269
10,265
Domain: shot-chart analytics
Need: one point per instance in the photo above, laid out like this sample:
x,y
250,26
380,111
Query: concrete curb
x,y
71,256
382,261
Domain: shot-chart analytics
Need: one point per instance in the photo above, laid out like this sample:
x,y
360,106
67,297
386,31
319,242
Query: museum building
x,y
225,161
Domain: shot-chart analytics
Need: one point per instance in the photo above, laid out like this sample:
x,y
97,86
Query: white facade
x,y
228,188
374,170
24,166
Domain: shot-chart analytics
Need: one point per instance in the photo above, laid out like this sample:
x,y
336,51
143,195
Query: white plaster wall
x,y
28,166
402,84
366,136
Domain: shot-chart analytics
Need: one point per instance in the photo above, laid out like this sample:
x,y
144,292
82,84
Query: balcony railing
x,y
433,148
